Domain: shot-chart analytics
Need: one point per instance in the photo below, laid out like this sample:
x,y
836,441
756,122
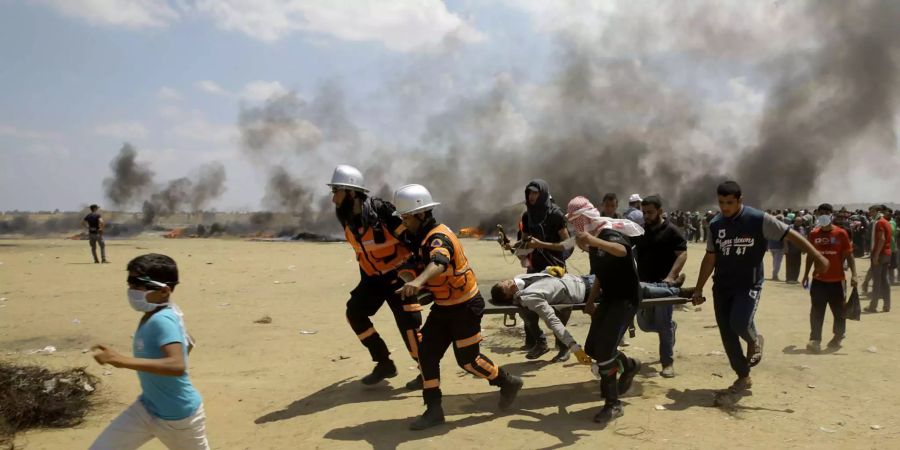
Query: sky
x,y
171,77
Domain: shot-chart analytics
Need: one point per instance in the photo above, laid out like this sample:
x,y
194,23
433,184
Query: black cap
x,y
825,207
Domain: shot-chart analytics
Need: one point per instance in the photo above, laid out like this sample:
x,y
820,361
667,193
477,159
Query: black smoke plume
x,y
129,181
612,116
827,101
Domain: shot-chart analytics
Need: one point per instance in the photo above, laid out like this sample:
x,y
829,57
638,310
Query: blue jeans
x,y
659,319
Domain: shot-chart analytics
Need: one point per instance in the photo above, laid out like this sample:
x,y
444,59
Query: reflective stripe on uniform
x,y
412,336
365,334
468,341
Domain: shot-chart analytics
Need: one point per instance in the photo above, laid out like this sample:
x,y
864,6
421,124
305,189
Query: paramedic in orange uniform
x,y
455,318
377,238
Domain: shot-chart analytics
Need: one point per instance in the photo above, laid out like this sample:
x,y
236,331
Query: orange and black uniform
x,y
455,317
381,248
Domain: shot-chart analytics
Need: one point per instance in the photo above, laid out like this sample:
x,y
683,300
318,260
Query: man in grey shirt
x,y
540,292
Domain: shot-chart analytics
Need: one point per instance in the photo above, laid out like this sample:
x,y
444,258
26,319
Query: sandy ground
x,y
269,386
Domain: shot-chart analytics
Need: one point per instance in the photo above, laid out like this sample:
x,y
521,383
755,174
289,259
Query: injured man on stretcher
x,y
541,292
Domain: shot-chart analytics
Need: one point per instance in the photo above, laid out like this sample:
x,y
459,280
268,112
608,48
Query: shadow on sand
x,y
340,393
794,350
482,408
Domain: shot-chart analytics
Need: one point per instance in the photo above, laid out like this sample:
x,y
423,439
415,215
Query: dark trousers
x,y
792,269
459,326
96,239
881,286
822,293
735,310
534,334
608,325
895,265
366,299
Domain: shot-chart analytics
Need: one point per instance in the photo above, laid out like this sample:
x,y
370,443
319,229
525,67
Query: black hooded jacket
x,y
543,220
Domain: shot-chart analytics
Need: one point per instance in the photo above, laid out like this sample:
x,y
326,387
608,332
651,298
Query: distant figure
x,y
609,205
792,253
634,213
881,256
94,224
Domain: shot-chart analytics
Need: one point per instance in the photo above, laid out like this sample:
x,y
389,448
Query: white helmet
x,y
348,177
413,199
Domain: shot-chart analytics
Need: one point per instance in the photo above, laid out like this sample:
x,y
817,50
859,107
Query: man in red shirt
x,y
828,287
881,258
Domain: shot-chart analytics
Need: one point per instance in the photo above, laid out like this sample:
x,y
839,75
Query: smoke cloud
x,y
828,100
132,182
129,181
669,99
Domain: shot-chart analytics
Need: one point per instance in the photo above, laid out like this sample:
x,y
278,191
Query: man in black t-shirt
x,y
615,271
95,225
661,254
543,225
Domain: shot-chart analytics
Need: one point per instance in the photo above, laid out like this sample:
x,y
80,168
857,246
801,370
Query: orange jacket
x,y
377,251
457,284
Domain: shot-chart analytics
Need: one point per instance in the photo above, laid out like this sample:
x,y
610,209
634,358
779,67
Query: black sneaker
x,y
539,349
835,342
381,371
509,390
609,413
416,384
433,416
627,377
563,356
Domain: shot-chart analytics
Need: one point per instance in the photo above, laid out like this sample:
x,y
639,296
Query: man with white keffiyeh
x,y
608,242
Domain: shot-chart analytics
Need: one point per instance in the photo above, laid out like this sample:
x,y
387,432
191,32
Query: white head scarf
x,y
585,217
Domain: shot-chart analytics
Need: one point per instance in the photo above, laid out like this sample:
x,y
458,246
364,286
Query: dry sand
x,y
269,386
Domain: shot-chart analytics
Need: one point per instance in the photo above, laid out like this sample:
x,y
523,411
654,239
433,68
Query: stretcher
x,y
511,311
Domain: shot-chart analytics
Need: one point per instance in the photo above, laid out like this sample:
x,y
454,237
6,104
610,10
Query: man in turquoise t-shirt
x,y
169,408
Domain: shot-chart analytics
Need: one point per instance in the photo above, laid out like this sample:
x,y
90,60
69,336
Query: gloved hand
x,y
581,356
556,271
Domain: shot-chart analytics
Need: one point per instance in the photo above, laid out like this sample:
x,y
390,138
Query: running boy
x,y
169,408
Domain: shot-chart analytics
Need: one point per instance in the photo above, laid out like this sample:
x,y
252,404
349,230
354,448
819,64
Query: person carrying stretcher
x,y
376,236
540,292
455,316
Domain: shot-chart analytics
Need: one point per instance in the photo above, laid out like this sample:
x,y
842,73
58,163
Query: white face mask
x,y
138,301
823,221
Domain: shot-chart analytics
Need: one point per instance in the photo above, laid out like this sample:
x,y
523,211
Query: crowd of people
x,y
408,259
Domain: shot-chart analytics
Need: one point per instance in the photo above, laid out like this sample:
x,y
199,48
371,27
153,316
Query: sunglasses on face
x,y
147,282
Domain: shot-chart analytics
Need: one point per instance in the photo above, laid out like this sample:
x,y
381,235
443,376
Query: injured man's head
x,y
504,292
